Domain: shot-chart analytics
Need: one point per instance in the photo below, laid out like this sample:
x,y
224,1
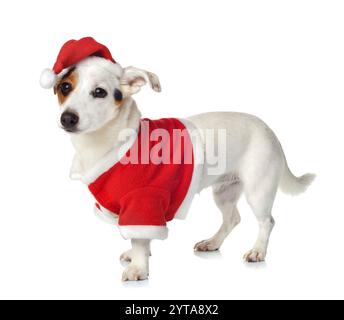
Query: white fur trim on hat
x,y
48,79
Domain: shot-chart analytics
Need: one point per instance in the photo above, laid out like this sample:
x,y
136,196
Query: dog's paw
x,y
126,256
134,273
207,245
255,255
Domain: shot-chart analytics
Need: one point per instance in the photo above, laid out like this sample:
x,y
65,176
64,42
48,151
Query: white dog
x,y
96,107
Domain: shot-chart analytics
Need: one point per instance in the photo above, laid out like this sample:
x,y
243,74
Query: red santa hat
x,y
72,52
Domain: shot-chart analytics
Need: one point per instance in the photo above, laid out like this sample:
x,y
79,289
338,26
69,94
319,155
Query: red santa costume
x,y
153,177
141,191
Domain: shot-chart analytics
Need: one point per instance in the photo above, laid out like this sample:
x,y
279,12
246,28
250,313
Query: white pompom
x,y
48,79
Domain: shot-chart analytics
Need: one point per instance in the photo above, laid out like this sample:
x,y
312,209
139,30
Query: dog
x,y
95,95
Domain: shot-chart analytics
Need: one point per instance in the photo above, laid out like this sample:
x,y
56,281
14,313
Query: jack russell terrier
x,y
143,173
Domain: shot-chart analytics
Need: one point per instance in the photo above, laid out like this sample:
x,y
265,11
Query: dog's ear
x,y
133,79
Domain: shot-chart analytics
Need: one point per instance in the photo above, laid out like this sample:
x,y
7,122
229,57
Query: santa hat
x,y
72,52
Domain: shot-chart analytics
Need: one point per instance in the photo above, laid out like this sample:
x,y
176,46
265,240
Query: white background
x,y
280,60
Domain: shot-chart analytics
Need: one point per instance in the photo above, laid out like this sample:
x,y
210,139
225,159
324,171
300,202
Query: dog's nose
x,y
69,120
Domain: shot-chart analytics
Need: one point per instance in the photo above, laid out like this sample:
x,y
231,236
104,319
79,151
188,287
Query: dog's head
x,y
92,92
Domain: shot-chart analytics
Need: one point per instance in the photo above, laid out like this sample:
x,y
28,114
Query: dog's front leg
x,y
138,268
126,256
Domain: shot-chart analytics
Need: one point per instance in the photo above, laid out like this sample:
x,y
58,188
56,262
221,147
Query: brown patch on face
x,y
69,78
119,103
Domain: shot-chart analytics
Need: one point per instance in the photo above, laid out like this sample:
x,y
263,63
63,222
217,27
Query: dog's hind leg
x,y
226,193
260,196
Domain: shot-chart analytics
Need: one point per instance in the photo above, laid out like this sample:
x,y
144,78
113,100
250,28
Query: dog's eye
x,y
99,93
65,88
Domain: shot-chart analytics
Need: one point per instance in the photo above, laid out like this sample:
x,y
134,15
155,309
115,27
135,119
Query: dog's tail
x,y
295,185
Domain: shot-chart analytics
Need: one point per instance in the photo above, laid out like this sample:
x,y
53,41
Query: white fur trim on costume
x,y
48,79
197,174
109,160
143,232
106,215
